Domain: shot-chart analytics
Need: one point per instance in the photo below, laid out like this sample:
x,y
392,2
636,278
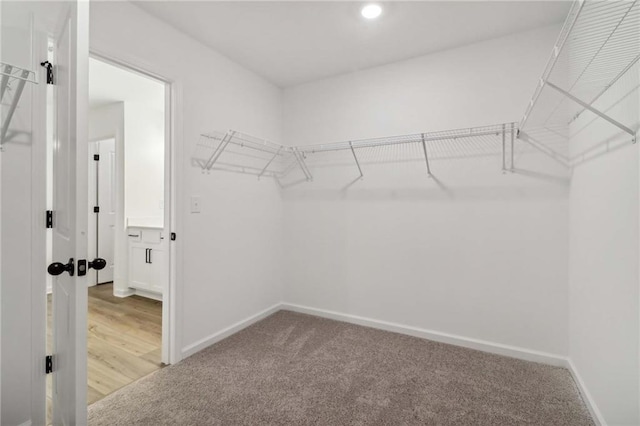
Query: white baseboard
x,y
216,337
586,395
452,339
148,294
123,293
132,291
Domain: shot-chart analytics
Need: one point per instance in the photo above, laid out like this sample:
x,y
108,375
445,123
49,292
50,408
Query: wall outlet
x,y
195,204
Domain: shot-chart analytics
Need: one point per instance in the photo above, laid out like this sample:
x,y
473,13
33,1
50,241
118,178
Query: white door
x,y
102,221
70,215
107,204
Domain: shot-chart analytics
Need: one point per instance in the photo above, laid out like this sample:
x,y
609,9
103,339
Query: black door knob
x,y
97,264
57,268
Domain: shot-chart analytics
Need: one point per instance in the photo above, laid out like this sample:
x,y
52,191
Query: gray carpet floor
x,y
302,370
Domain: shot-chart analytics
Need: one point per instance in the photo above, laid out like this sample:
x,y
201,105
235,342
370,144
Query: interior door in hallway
x,y
103,193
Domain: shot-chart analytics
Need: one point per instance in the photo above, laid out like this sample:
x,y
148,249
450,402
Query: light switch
x,y
195,204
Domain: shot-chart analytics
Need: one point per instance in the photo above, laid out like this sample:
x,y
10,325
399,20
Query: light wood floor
x,y
123,341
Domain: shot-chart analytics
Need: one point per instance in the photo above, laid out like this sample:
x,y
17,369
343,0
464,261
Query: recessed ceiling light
x,y
371,11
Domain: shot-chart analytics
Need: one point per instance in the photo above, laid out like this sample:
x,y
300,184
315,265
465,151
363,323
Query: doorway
x,y
127,197
128,226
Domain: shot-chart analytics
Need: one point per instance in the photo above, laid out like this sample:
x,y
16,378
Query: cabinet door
x,y
141,272
157,257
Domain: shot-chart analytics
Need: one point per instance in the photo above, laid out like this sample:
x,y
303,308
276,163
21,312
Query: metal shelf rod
x,y
593,110
415,138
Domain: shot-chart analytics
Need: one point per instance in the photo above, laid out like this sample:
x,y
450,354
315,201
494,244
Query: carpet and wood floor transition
x,y
298,369
124,341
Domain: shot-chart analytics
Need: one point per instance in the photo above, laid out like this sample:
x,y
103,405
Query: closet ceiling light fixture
x,y
371,11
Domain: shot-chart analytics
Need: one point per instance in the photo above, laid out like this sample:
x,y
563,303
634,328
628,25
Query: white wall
x,y
232,251
473,253
480,84
604,292
144,163
22,227
16,246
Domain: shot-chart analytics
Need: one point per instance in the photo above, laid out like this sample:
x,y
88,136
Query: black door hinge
x,y
96,157
49,66
173,236
49,220
48,364
96,209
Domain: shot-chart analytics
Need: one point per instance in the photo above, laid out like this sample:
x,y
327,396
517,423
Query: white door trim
x,y
39,244
171,307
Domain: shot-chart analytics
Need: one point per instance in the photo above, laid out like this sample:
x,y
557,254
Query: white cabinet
x,y
146,259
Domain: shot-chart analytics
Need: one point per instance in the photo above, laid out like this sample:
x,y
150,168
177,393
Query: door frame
x,y
171,306
39,176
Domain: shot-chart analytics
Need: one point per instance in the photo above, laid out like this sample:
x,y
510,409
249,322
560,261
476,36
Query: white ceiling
x,y
109,84
290,43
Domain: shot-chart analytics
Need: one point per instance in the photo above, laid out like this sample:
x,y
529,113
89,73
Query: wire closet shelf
x,y
12,82
597,47
235,151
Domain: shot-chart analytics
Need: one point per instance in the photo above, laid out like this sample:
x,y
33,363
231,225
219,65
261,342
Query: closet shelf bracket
x,y
303,166
593,110
426,156
513,137
355,157
504,148
12,76
216,154
262,172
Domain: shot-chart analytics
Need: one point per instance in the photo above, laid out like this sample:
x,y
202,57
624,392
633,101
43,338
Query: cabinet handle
x,y
146,255
150,256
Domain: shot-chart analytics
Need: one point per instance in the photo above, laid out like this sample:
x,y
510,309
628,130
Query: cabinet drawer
x,y
134,235
144,235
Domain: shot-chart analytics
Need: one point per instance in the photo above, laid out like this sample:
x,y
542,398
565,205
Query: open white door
x,y
107,204
71,67
102,208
